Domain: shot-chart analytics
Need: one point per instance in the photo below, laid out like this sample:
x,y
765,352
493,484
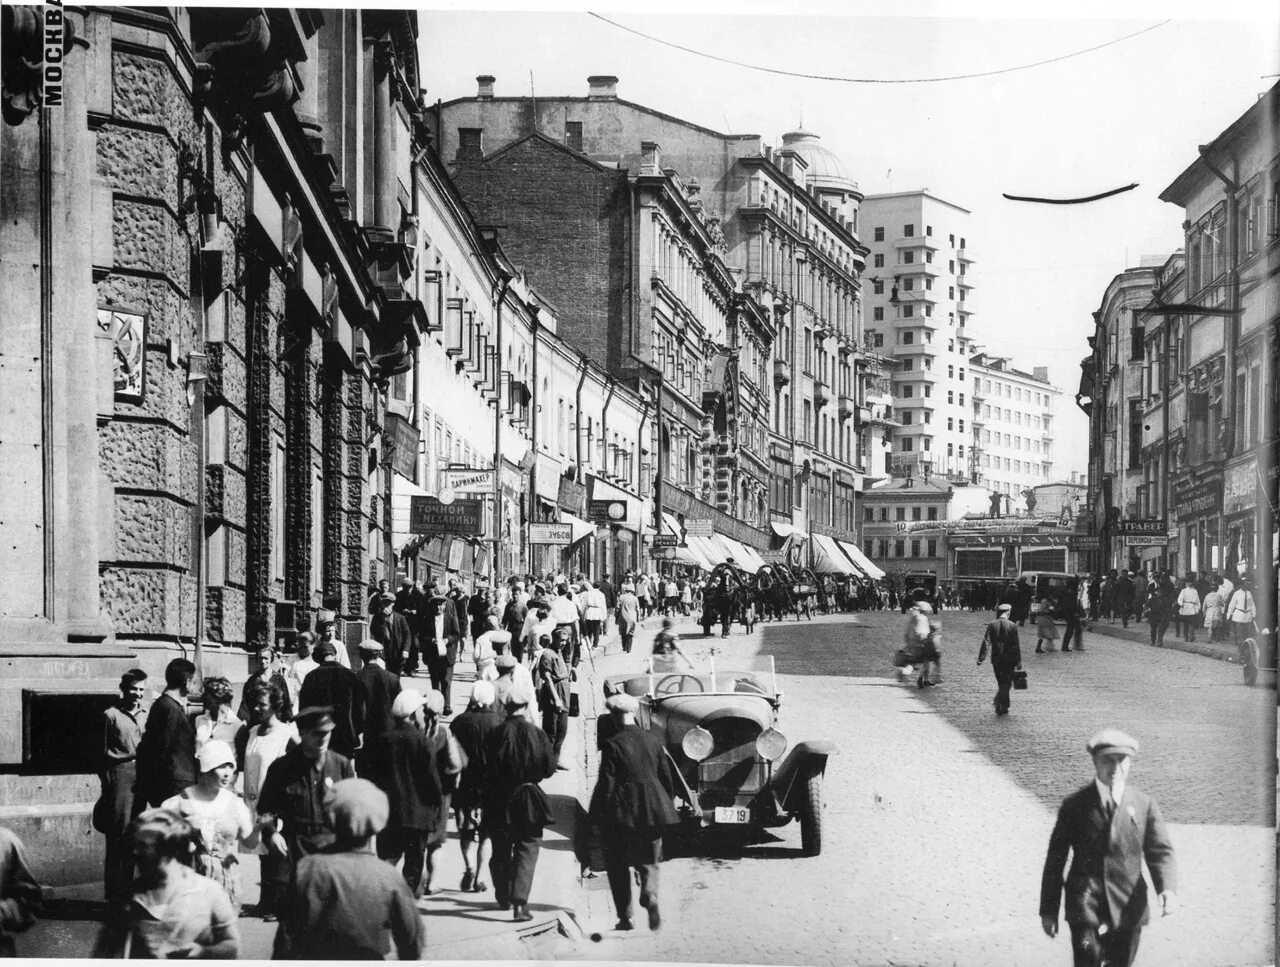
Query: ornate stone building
x,y
205,246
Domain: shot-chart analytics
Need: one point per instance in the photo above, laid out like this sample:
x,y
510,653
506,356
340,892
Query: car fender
x,y
804,759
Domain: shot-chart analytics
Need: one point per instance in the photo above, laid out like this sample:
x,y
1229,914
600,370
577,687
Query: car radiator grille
x,y
734,766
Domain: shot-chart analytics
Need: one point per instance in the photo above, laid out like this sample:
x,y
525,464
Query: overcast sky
x,y
1132,112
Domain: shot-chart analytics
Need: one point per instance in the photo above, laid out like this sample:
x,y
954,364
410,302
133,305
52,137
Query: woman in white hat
x,y
219,818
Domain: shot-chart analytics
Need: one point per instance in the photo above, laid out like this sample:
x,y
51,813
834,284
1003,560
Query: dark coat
x,y
293,791
277,679
518,757
166,754
393,633
474,730
338,687
1001,637
380,690
513,617
1104,884
636,784
452,628
409,770
460,602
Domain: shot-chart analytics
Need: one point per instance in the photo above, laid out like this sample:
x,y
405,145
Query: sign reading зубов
x,y
428,516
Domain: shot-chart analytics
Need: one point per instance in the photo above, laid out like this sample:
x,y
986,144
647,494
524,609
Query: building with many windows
x,y
787,219
919,311
1011,427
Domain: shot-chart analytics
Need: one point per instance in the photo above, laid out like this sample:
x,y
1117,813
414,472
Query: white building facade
x,y
1011,422
918,310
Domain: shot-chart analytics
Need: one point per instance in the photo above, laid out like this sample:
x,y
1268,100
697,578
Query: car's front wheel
x,y
810,815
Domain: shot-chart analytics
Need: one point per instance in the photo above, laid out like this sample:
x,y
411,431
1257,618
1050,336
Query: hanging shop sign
x,y
1152,527
561,534
403,441
1083,543
1146,540
697,526
428,516
607,511
1202,500
572,497
469,481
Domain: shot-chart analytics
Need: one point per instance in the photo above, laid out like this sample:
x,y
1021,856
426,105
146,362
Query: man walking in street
x,y
1123,597
518,758
473,730
291,811
441,641
380,691
1006,654
167,750
633,806
338,689
391,627
628,616
121,734
1109,828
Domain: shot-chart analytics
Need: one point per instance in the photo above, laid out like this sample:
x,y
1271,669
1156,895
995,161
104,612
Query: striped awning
x,y
827,558
861,560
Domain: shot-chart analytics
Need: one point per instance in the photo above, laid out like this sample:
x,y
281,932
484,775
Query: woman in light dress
x,y
261,742
217,721
219,818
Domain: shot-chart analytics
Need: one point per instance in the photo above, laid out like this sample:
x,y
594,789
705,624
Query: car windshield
x,y
749,676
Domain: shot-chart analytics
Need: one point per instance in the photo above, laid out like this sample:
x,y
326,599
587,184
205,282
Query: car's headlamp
x,y
697,743
771,744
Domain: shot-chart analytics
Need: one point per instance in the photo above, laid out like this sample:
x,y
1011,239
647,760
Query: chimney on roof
x,y
650,158
1041,373
602,87
484,87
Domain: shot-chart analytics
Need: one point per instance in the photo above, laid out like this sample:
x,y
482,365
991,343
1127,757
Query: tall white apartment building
x,y
1012,427
918,310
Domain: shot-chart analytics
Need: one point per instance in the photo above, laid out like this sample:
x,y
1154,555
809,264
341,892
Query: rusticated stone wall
x,y
147,450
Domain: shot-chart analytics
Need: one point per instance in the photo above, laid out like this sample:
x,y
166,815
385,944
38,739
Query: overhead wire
x,y
876,80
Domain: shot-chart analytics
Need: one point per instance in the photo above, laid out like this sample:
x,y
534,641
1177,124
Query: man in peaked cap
x,y
1109,827
1001,637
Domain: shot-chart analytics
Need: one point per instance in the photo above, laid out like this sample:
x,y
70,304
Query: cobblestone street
x,y
938,813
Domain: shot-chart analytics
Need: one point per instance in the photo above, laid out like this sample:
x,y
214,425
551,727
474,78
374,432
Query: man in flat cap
x,y
347,904
1109,827
415,764
291,801
1006,654
632,806
515,810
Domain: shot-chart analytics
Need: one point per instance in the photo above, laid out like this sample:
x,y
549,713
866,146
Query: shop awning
x,y
788,530
707,549
580,527
844,546
827,558
402,491
693,555
670,524
861,560
741,554
753,556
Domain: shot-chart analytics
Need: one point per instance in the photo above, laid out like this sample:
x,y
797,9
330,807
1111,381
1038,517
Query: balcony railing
x,y
963,255
847,407
963,282
821,393
916,375
781,372
916,241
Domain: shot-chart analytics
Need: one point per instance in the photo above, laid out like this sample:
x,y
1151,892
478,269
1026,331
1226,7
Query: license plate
x,y
733,814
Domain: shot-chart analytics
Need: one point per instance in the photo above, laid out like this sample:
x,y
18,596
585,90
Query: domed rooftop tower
x,y
825,174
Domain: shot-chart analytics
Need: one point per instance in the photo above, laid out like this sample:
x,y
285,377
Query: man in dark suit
x,y
442,637
391,628
1109,828
167,752
330,685
380,691
1006,654
632,806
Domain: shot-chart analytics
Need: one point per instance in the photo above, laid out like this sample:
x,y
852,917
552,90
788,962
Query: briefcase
x,y
574,709
1020,680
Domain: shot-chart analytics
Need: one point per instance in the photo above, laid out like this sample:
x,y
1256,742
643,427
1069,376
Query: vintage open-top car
x,y
720,724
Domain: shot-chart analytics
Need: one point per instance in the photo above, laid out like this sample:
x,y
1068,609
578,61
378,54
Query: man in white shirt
x,y
595,611
564,611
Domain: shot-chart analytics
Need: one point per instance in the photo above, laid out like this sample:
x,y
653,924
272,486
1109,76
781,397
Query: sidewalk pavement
x,y
1141,632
